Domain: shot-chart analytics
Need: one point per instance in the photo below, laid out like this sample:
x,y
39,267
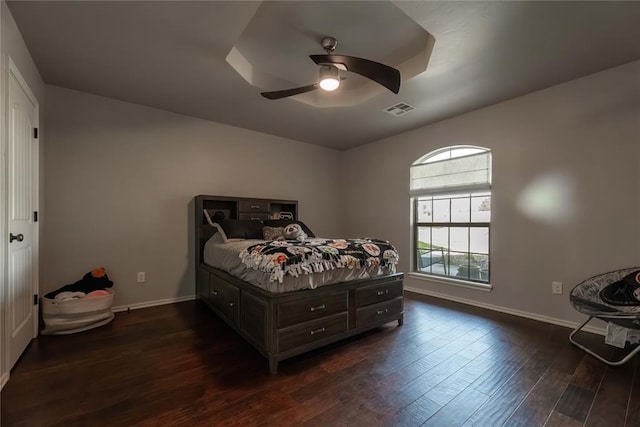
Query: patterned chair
x,y
585,298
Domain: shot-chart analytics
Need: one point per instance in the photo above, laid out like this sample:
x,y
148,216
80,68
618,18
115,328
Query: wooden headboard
x,y
235,208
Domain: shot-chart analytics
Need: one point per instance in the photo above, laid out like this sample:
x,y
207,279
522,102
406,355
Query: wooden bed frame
x,y
283,325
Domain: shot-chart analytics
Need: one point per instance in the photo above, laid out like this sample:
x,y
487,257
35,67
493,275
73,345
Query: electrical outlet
x,y
556,288
141,277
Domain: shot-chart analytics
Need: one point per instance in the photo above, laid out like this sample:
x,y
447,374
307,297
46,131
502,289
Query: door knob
x,y
13,237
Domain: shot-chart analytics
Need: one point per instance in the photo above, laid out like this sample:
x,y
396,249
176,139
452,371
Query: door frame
x,y
9,68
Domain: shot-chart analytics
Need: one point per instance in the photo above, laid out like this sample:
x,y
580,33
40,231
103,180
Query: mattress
x,y
226,257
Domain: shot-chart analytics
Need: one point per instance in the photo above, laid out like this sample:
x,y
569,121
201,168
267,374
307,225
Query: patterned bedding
x,y
291,257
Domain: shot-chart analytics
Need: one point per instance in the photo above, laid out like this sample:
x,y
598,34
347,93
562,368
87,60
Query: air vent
x,y
399,109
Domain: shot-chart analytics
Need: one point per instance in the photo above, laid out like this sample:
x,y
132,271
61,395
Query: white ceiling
x,y
171,55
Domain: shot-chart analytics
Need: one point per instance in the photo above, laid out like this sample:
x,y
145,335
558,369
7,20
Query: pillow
x,y
240,229
272,233
284,222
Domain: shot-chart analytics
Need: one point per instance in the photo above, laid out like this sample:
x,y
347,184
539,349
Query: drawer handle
x,y
386,310
214,292
317,331
231,304
386,291
254,219
255,206
318,307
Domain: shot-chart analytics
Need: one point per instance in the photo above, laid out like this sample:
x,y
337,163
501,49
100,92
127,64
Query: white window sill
x,y
485,287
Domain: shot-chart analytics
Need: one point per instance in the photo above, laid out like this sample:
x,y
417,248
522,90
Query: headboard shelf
x,y
224,207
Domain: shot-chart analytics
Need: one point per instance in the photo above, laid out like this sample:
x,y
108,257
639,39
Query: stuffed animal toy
x,y
293,231
93,280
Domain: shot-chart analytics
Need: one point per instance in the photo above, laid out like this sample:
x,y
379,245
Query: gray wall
x,y
12,45
581,138
121,177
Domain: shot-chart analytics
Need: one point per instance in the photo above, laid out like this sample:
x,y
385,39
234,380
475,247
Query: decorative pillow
x,y
272,233
284,222
240,229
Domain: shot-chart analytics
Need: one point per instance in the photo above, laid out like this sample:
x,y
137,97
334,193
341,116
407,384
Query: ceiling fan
x,y
330,67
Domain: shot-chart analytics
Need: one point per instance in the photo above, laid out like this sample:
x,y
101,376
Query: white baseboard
x,y
152,303
3,380
534,316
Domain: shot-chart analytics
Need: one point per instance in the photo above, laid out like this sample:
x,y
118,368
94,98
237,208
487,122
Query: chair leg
x,y
597,356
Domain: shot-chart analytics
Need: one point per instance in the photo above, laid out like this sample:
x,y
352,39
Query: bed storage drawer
x,y
253,215
253,206
308,332
225,297
376,312
303,310
378,293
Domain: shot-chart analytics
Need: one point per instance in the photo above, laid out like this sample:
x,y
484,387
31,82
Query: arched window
x,y
451,196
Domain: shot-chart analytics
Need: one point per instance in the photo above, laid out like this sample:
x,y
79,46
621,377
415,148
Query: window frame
x,y
449,225
450,193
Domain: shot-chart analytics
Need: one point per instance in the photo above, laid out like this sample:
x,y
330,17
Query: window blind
x,y
469,173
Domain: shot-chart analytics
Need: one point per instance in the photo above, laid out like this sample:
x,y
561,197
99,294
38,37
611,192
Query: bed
x,y
315,302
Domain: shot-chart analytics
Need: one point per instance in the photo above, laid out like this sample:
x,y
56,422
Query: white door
x,y
22,202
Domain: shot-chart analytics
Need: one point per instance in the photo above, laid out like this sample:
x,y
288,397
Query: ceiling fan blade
x,y
278,94
382,74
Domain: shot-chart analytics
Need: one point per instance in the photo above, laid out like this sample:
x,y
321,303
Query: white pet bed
x,y
76,315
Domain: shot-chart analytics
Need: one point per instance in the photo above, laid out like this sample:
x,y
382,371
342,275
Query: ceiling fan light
x,y
329,83
329,79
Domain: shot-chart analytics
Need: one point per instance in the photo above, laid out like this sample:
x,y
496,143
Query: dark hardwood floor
x,y
449,365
